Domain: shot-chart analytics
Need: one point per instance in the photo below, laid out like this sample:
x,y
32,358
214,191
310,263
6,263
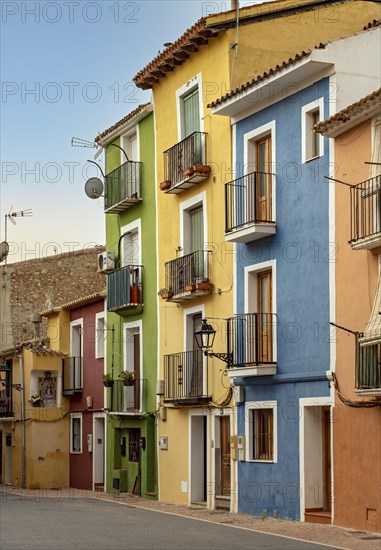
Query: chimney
x,y
36,320
234,4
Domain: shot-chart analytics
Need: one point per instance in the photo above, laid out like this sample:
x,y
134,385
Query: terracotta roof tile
x,y
121,122
75,303
365,103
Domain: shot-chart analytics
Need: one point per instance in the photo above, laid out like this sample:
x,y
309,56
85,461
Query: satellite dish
x,y
94,188
4,250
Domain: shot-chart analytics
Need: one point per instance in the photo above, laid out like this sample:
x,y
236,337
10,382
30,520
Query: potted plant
x,y
164,185
107,380
165,293
127,377
36,400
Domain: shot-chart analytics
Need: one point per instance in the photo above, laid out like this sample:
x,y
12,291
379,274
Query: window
x,y
189,108
261,436
312,142
259,162
74,377
193,229
76,433
129,144
132,363
133,444
100,335
131,244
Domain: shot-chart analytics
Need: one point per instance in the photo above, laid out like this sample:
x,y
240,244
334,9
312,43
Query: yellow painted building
x,y
197,447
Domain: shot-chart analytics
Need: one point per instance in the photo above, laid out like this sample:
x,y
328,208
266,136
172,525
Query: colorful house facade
x,y
279,213
81,380
356,133
198,448
130,265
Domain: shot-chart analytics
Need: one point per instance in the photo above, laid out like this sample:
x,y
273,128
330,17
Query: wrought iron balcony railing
x,y
125,288
248,200
366,212
128,399
72,375
185,163
185,378
123,187
368,366
188,276
250,340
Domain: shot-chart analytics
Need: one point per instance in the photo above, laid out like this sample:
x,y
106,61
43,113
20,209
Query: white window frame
x,y
268,129
185,208
135,226
100,335
131,327
72,417
307,133
192,84
254,269
188,337
73,324
252,406
127,136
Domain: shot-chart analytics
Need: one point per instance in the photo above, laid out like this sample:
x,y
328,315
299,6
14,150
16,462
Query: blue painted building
x,y
278,216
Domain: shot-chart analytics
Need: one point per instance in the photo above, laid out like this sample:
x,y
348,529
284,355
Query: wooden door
x,y
264,320
225,455
263,182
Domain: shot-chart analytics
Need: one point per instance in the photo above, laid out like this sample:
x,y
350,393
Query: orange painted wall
x,y
356,431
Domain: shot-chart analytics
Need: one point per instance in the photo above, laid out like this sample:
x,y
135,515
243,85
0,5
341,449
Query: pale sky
x,y
66,70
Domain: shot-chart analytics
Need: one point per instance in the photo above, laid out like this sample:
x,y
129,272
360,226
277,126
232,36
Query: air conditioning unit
x,y
106,262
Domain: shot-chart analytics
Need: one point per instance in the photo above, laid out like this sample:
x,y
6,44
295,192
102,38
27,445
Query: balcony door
x,y
263,180
197,240
191,113
132,364
264,290
76,355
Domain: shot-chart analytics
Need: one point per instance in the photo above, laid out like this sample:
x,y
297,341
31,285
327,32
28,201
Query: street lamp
x,y
205,338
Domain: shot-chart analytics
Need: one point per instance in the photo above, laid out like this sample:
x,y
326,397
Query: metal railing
x,y
5,404
72,375
186,270
366,209
250,339
123,183
248,200
182,156
127,399
184,377
368,366
125,287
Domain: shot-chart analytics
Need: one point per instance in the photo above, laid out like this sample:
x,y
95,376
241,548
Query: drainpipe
x,y
234,4
23,439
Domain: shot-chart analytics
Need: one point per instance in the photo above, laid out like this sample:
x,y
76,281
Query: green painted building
x,y
130,264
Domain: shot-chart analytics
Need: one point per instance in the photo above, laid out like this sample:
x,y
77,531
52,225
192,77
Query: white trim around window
x,y
250,408
133,227
249,139
76,446
308,136
100,334
185,207
195,82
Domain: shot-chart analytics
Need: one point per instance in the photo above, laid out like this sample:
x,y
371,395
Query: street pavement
x,y
58,522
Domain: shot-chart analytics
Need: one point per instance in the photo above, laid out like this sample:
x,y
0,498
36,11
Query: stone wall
x,y
40,284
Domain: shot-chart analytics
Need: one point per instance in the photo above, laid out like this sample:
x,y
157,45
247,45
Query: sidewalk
x,y
323,534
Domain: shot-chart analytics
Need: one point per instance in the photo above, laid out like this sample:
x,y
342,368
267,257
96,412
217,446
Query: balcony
x,y
123,187
125,288
368,368
127,400
185,378
366,214
251,339
187,277
71,375
185,164
249,208
5,405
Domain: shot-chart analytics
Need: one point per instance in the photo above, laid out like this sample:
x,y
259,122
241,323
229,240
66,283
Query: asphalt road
x,y
65,524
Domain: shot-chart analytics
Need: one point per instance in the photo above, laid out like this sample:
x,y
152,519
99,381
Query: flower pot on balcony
x,y
128,382
164,185
108,383
188,171
190,288
204,168
166,295
135,295
204,286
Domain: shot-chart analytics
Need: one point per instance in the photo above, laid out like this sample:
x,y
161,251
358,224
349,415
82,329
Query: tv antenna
x,y
4,246
79,142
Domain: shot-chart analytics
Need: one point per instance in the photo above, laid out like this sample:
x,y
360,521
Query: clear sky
x,y
66,70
